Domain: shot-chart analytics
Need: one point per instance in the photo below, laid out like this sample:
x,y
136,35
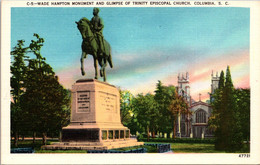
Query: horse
x,y
90,46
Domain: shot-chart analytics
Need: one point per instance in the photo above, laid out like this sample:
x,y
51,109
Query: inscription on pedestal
x,y
83,101
108,101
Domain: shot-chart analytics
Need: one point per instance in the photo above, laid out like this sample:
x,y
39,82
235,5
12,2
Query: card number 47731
x,y
244,155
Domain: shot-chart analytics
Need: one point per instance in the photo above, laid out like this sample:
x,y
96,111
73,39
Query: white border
x,y
8,158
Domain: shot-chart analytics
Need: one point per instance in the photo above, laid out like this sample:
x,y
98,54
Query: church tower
x,y
184,87
183,119
214,84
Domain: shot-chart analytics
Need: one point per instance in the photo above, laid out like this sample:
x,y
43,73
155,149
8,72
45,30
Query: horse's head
x,y
84,27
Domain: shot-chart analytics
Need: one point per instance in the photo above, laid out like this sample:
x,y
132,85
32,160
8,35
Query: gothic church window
x,y
200,116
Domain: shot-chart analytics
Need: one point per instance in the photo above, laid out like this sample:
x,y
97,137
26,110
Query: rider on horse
x,y
98,26
94,44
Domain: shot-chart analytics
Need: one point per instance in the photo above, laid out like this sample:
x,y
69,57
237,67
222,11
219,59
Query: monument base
x,y
95,119
93,136
92,145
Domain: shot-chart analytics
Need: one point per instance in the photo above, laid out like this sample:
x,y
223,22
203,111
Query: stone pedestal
x,y
95,119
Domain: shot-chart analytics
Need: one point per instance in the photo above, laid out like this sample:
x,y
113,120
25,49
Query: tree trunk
x,y
44,139
60,137
148,133
16,139
34,135
23,138
179,125
174,130
153,134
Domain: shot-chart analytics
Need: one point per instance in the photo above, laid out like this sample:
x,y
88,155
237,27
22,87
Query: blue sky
x,y
148,44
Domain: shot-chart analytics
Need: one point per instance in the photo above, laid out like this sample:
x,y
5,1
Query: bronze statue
x,y
94,43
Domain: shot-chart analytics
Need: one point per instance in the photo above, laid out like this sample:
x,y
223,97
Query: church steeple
x,y
214,83
184,86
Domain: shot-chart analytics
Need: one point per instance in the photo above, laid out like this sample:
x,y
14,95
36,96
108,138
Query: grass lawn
x,y
200,148
193,148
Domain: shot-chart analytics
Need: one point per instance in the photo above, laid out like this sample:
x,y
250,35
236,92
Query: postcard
x,y
130,82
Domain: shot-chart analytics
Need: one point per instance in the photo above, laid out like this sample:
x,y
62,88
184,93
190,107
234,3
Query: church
x,y
194,125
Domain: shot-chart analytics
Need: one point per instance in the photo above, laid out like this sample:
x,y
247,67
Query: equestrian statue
x,y
94,44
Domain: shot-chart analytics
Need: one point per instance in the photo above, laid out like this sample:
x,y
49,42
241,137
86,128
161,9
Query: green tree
x,y
126,101
146,112
34,84
217,102
231,122
177,107
134,125
243,102
226,116
221,83
45,101
163,96
18,72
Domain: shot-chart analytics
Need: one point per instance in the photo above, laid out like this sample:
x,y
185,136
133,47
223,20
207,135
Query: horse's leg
x,y
101,72
83,55
101,63
104,74
96,67
104,69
